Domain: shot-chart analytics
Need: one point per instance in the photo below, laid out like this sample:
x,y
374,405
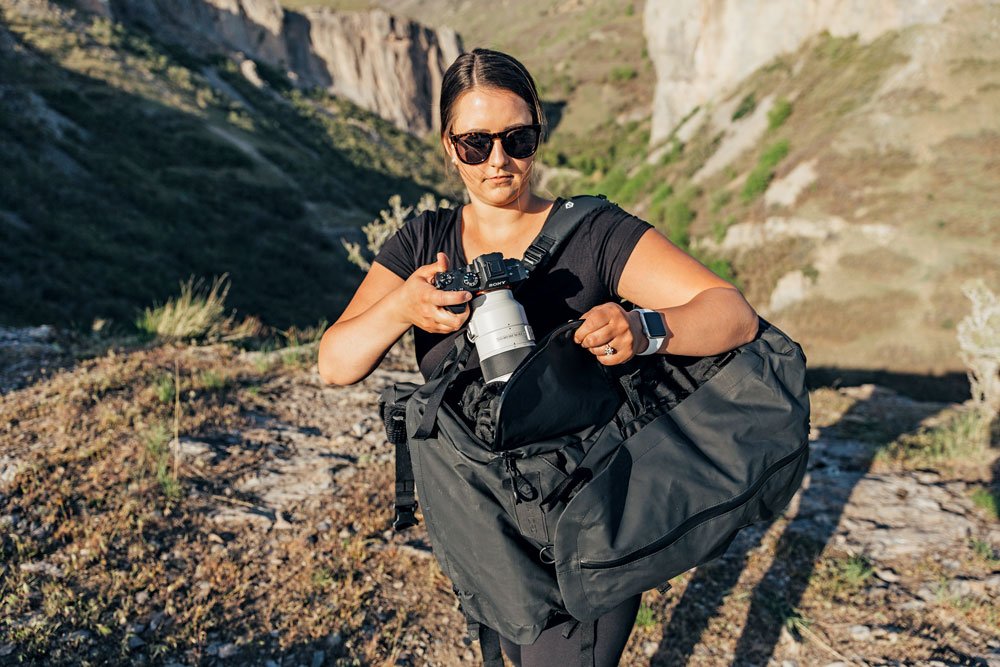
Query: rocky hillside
x,y
262,535
131,163
848,186
384,63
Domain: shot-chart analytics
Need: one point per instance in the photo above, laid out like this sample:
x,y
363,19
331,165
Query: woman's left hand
x,y
610,328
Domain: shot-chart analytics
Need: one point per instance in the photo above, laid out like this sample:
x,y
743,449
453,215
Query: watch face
x,y
654,325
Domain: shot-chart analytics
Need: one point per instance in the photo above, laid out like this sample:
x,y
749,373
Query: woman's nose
x,y
498,157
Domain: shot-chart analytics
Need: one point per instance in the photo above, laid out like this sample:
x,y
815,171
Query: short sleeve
x,y
613,236
399,252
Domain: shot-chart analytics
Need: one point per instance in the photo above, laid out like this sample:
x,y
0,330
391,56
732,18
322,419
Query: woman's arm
x,y
383,308
703,313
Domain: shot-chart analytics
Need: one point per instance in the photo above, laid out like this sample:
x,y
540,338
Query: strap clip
x,y
405,516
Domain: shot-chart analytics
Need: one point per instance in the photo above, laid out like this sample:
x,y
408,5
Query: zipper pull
x,y
523,490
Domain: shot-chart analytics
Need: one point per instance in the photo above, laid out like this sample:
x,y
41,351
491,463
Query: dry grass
x,y
198,313
820,320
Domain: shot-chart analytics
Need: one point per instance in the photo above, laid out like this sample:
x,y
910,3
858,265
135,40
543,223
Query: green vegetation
x,y
646,618
156,442
746,107
130,165
778,114
758,179
854,571
988,500
623,73
961,436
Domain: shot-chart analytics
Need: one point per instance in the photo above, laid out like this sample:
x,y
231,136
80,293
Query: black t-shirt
x,y
584,274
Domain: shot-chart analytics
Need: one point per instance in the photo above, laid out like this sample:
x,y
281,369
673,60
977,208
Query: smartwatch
x,y
654,328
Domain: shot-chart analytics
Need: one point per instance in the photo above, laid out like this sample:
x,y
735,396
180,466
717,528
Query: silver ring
x,y
608,350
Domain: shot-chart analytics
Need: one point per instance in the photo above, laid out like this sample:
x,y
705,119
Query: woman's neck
x,y
497,224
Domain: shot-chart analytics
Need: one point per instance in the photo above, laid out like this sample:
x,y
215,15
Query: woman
x,y
491,121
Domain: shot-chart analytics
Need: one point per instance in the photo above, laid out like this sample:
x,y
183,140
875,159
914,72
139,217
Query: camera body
x,y
498,324
486,272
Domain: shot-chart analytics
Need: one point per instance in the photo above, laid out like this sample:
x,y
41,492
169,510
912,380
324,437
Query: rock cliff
x,y
701,47
384,63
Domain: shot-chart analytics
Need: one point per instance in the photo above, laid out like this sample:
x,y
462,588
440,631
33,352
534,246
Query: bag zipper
x,y
700,517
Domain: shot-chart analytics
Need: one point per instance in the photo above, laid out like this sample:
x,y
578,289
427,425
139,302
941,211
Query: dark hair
x,y
484,68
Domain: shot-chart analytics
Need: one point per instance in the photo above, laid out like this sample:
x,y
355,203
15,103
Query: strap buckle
x,y
405,516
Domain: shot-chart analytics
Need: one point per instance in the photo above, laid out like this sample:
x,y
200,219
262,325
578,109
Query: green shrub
x,y
633,186
778,114
758,179
745,107
613,182
623,73
987,500
646,618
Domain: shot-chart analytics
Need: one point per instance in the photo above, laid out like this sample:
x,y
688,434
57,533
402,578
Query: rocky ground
x,y
262,537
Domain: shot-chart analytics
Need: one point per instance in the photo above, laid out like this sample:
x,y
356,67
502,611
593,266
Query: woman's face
x,y
491,110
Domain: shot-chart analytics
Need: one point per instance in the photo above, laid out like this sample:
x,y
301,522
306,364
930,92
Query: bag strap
x,y
559,227
464,351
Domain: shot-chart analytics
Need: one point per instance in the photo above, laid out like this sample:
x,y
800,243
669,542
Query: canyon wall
x,y
701,47
384,63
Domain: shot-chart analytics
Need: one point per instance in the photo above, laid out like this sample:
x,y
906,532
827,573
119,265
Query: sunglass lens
x,y
474,148
521,143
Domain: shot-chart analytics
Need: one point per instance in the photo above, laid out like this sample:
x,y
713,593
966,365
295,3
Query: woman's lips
x,y
498,179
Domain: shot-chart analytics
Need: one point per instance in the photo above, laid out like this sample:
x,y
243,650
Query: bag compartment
x,y
640,521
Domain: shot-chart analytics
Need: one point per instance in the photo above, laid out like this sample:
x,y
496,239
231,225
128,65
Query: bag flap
x,y
559,389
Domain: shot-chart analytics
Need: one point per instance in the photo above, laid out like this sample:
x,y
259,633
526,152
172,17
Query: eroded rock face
x,y
700,47
384,63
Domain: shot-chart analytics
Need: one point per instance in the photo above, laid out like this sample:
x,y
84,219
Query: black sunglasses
x,y
518,142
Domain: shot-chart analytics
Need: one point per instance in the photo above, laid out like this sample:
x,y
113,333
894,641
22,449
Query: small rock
x,y
926,594
318,658
323,526
78,636
912,605
135,642
860,633
887,576
959,588
789,663
158,619
137,628
141,597
649,649
228,650
6,649
397,585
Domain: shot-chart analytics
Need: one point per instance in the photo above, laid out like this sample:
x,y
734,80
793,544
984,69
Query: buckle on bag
x,y
405,516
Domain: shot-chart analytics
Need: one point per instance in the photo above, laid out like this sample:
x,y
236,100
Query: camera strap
x,y
559,226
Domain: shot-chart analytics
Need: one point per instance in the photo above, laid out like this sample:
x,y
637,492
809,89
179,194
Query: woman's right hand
x,y
423,303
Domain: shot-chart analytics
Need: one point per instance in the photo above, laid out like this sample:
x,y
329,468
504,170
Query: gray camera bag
x,y
601,482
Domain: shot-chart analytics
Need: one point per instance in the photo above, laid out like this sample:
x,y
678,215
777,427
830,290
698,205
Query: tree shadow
x,y
835,467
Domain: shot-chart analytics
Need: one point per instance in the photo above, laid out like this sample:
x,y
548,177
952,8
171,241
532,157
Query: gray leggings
x,y
551,648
